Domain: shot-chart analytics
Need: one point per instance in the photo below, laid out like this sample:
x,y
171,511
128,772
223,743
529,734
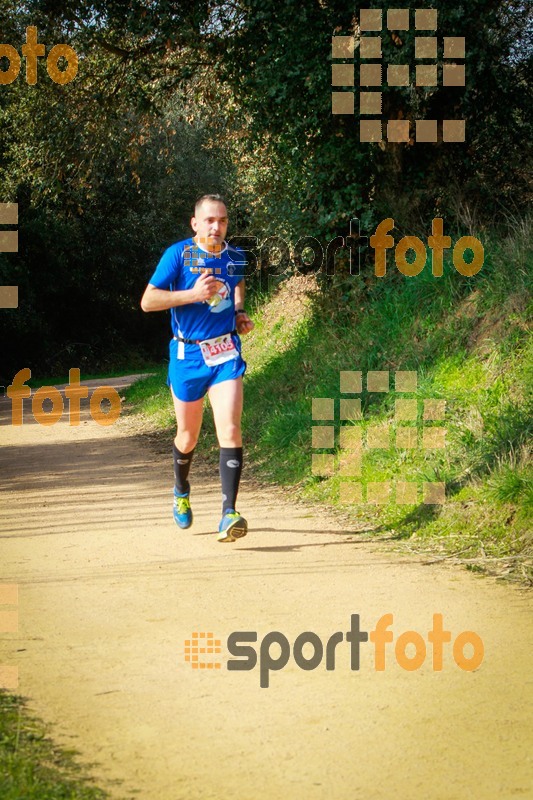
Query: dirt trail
x,y
110,590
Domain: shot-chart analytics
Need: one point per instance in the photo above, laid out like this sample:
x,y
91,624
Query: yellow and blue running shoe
x,y
232,526
182,510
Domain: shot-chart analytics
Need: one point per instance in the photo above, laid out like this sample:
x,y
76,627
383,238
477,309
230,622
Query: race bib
x,y
218,350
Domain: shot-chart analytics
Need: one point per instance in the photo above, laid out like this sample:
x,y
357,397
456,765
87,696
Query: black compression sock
x,y
182,464
230,475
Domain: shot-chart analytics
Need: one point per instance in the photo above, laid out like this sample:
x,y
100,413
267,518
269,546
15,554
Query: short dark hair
x,y
213,198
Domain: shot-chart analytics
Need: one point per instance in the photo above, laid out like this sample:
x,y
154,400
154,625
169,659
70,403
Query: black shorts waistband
x,y
197,341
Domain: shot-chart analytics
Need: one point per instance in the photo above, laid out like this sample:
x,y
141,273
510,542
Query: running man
x,y
200,281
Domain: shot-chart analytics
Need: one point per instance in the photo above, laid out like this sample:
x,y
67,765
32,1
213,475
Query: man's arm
x,y
155,299
243,322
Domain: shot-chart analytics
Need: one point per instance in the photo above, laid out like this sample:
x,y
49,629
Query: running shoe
x,y
182,510
232,526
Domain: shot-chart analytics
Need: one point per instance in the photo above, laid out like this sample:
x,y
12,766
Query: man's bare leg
x,y
226,401
189,422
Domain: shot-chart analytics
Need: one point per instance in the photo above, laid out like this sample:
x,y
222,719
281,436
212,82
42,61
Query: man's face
x,y
210,225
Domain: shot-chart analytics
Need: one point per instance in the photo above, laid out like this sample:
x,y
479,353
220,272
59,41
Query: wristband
x,y
240,311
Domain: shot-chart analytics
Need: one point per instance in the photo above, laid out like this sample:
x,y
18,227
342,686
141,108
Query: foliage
x,y
318,174
100,196
172,100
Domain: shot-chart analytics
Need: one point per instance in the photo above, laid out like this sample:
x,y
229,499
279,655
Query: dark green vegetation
x,y
467,338
31,766
174,99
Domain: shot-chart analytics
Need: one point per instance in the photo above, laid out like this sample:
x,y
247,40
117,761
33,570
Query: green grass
x,y
31,766
469,341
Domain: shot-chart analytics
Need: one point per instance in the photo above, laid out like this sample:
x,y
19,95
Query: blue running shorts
x,y
190,378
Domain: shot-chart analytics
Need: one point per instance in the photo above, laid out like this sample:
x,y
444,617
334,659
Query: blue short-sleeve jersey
x,y
180,267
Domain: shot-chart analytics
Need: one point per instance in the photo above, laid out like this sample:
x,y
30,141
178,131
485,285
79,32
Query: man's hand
x,y
244,324
204,288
